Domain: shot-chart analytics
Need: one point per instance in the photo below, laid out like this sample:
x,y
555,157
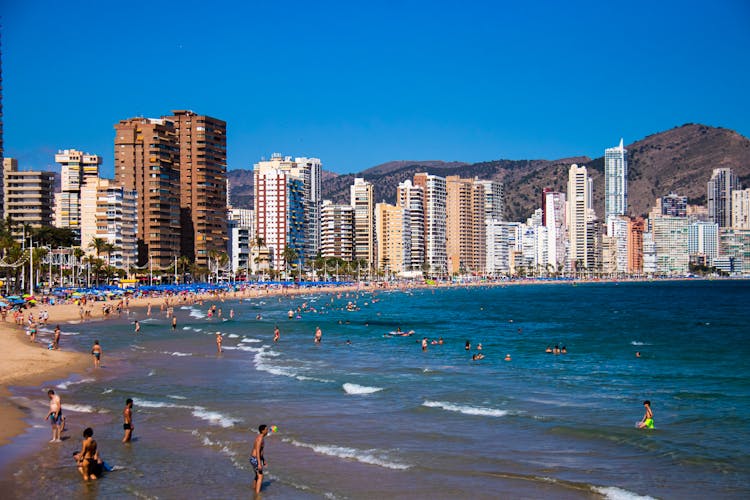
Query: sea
x,y
365,414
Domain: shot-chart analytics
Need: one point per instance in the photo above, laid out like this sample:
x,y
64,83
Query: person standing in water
x,y
174,323
257,460
137,326
56,341
648,417
96,351
218,342
55,415
318,335
276,333
127,424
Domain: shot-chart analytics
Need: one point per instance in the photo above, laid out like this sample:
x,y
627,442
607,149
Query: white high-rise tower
x,y
615,181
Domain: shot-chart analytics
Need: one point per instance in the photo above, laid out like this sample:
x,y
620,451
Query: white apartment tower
x,y
557,234
362,199
411,198
580,216
615,181
741,209
435,193
337,230
75,169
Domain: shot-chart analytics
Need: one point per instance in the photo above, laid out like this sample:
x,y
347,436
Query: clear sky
x,y
359,83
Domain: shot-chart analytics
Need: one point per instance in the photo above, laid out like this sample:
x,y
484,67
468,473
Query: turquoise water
x,y
381,418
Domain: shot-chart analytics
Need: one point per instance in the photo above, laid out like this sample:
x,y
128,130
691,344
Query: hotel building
x,y
720,187
29,196
434,192
615,181
76,168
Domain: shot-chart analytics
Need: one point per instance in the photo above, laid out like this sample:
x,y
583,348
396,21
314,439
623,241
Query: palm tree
x,y
99,245
78,254
290,255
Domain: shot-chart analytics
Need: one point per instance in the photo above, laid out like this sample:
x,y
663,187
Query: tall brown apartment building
x,y
465,226
147,161
202,142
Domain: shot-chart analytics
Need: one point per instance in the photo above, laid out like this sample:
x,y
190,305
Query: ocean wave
x,y
178,354
197,313
144,403
466,410
175,397
250,341
615,493
82,409
635,342
372,457
262,364
232,335
214,417
107,391
360,389
152,373
68,383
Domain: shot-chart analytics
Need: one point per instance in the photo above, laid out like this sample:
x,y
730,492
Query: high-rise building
x,y
241,236
553,212
314,202
720,187
411,198
703,242
29,196
580,218
202,143
337,231
147,161
494,199
636,227
108,212
465,225
498,247
393,238
434,192
674,205
280,210
734,251
615,181
76,168
2,150
618,232
741,209
670,236
362,200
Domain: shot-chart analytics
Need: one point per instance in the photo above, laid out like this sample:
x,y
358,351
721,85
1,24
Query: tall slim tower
x,y
202,142
720,187
465,225
361,194
411,198
615,181
579,215
147,161
435,192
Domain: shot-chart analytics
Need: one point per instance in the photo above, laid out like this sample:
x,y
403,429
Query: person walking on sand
x,y
96,351
55,415
648,417
257,460
56,340
127,424
218,342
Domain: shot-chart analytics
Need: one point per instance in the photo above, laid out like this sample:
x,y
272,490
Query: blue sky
x,y
360,83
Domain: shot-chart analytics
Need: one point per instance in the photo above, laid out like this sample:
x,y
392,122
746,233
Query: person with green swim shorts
x,y
648,417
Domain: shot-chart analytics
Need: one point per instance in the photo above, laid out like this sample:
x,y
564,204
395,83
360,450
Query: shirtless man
x,y
257,459
648,417
127,418
55,415
96,351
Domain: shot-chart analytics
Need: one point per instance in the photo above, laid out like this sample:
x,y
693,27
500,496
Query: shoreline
x,y
32,365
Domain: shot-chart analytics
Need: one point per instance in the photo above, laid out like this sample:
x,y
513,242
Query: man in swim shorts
x,y
127,417
55,415
257,460
648,417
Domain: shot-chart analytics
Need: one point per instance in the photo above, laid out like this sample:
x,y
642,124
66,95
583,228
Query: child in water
x,y
648,417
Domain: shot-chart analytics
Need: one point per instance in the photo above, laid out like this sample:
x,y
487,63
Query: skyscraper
x,y
411,198
202,143
741,209
465,225
580,216
147,161
361,198
337,231
615,181
720,187
76,168
557,236
434,192
393,238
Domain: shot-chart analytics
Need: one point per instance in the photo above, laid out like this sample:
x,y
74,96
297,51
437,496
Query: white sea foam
x,y
615,493
186,328
232,335
178,354
175,397
68,383
466,410
635,342
372,457
82,409
251,341
144,403
152,373
197,313
214,417
360,389
107,391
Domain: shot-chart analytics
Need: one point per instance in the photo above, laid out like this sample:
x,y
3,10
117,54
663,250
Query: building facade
x,y
434,192
393,239
465,225
147,161
720,187
670,236
411,198
580,217
337,231
29,196
741,209
674,205
362,200
615,181
76,168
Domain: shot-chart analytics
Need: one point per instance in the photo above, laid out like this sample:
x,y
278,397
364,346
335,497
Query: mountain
x,y
679,160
